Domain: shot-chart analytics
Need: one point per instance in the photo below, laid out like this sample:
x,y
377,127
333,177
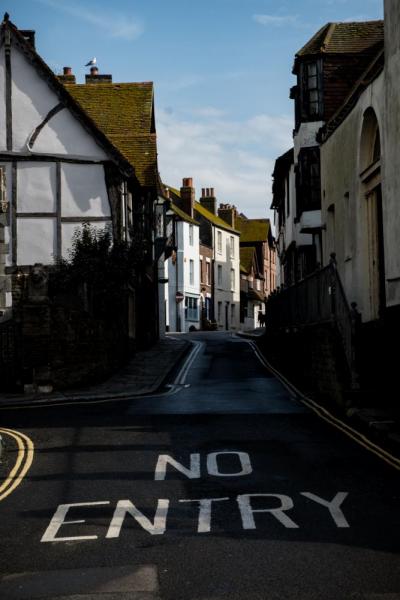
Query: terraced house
x,y
218,260
257,267
74,154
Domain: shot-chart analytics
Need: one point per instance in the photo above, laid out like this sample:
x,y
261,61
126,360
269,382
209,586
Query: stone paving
x,y
144,374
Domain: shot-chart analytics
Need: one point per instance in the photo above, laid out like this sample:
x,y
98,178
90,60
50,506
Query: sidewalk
x,y
144,375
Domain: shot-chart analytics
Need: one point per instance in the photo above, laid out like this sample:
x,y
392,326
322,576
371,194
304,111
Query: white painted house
x,y
225,242
220,297
69,154
182,270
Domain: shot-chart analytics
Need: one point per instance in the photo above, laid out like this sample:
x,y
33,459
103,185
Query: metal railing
x,y
319,298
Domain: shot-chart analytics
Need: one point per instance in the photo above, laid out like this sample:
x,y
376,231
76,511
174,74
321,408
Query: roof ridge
x,y
328,37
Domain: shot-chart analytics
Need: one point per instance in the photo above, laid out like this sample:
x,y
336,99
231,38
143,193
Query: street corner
x,y
17,451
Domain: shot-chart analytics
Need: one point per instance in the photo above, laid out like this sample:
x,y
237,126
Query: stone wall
x,y
312,358
67,338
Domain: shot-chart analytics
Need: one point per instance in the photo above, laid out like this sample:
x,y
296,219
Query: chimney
x,y
208,200
67,76
95,77
188,196
228,214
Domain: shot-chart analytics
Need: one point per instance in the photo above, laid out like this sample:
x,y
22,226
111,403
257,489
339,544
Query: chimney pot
x,y
94,70
67,70
212,192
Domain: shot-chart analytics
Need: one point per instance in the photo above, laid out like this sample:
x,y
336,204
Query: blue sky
x,y
221,69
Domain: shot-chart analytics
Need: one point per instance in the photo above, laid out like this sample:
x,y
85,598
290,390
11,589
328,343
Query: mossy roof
x,y
182,215
124,113
204,212
344,38
247,258
253,230
214,219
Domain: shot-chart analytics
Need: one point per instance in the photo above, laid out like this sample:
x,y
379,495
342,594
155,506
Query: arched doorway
x,y
370,173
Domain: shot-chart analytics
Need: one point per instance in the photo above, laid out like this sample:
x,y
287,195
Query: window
x,y
208,273
219,242
232,279
191,309
232,313
232,246
191,272
311,91
190,235
219,311
258,285
308,180
219,276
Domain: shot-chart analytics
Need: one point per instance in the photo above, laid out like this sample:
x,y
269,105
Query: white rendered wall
x,y
32,100
36,187
191,252
3,133
346,231
179,276
84,191
63,134
36,240
391,178
224,293
306,136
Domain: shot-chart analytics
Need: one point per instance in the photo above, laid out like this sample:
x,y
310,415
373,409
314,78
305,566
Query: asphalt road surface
x,y
222,487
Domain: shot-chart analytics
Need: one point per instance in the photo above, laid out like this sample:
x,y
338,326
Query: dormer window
x,y
311,91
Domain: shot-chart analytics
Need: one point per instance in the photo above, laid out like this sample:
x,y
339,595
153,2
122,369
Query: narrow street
x,y
299,511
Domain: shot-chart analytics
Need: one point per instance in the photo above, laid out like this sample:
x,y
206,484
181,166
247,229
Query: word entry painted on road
x,y
274,505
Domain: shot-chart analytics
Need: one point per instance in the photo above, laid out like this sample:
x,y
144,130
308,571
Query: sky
x,y
221,71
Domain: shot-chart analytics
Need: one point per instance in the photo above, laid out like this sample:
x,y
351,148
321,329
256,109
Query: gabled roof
x,y
344,38
248,258
282,167
253,230
182,215
124,112
214,219
204,212
54,83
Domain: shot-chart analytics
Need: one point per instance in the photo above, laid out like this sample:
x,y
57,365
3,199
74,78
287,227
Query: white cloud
x,y
276,20
113,24
235,157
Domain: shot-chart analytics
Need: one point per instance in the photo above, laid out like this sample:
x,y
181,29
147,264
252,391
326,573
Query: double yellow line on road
x,y
327,416
22,464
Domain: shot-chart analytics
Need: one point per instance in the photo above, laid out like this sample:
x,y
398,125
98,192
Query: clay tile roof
x,y
253,230
124,113
344,38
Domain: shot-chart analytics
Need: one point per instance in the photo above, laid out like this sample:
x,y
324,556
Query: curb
x,y
66,400
342,423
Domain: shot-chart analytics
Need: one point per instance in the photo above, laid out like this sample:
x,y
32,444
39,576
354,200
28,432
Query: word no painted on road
x,y
247,506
